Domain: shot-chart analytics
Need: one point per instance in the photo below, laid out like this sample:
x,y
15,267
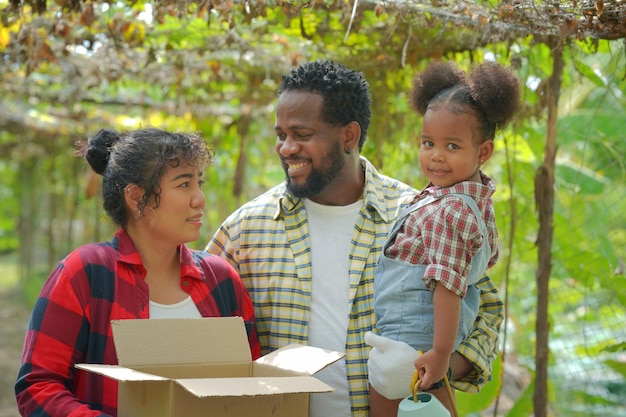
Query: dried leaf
x,y
44,52
379,10
599,7
87,17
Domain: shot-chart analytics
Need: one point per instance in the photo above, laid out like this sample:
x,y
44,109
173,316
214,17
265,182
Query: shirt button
x,y
185,283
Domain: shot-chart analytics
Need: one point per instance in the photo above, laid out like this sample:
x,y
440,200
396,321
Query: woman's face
x,y
178,217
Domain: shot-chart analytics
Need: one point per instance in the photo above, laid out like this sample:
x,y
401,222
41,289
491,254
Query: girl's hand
x,y
432,366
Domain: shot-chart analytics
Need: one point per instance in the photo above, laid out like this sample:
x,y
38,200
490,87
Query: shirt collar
x,y
374,195
127,253
478,190
126,250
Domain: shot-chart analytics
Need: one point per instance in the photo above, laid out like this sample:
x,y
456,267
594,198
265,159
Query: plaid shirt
x,y
267,241
70,323
445,234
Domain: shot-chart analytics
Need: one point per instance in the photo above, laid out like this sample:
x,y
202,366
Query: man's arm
x,y
471,363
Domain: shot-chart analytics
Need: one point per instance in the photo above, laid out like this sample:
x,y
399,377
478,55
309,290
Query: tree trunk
x,y
544,199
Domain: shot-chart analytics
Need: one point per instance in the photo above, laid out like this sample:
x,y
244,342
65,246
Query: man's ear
x,y
351,136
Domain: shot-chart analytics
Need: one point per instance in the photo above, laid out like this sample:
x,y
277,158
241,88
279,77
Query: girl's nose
x,y
437,155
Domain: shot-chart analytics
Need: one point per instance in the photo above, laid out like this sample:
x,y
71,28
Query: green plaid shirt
x,y
267,241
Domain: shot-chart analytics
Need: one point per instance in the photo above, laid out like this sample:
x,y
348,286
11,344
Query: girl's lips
x,y
438,171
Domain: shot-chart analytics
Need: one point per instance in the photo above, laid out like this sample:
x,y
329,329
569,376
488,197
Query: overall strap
x,y
479,217
404,213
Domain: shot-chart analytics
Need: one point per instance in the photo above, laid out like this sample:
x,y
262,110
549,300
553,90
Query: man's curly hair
x,y
345,92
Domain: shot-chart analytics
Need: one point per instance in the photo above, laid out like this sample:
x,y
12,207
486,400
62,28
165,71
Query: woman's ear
x,y
132,196
485,150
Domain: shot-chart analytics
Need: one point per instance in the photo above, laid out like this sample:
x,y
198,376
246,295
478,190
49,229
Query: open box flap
x,y
237,387
180,341
302,359
120,373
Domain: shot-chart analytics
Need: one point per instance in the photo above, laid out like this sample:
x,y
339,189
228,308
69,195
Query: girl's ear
x,y
485,150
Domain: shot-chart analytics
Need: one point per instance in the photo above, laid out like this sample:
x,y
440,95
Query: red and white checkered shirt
x,y
445,234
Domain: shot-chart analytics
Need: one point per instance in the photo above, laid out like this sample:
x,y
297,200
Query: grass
x,y
8,271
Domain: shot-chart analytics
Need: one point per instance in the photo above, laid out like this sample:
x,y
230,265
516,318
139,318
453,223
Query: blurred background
x,y
71,67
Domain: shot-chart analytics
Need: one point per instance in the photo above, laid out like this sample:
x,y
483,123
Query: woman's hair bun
x,y
99,149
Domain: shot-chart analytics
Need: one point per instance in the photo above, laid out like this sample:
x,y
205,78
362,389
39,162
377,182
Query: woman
x,y
152,189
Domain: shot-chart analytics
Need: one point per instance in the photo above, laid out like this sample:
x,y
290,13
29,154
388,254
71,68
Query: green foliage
x,y
8,209
216,72
618,347
617,367
472,403
8,271
523,406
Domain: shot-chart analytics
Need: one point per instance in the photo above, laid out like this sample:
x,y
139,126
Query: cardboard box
x,y
203,367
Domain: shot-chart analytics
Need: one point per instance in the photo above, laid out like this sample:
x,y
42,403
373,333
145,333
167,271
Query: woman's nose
x,y
199,199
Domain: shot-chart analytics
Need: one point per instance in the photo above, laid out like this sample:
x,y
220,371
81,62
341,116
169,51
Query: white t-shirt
x,y
331,229
185,309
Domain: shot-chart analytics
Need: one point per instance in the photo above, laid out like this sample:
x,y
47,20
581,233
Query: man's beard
x,y
320,177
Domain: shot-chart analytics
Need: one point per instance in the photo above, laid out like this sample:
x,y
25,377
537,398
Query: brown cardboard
x,y
203,367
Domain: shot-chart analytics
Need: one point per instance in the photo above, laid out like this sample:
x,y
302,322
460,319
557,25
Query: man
x,y
307,249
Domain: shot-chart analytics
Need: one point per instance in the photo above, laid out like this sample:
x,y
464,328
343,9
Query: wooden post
x,y
544,200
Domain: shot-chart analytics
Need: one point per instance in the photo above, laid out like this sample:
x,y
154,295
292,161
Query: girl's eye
x,y
427,143
201,183
453,146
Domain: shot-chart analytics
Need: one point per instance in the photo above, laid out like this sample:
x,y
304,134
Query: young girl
x,y
152,189
444,241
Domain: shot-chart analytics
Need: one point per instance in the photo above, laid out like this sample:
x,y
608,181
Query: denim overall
x,y
403,304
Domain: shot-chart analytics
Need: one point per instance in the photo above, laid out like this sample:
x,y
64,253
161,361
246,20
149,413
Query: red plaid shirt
x,y
70,322
445,234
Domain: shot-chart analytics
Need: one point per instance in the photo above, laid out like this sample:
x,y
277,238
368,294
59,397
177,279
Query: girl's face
x,y
178,218
448,152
